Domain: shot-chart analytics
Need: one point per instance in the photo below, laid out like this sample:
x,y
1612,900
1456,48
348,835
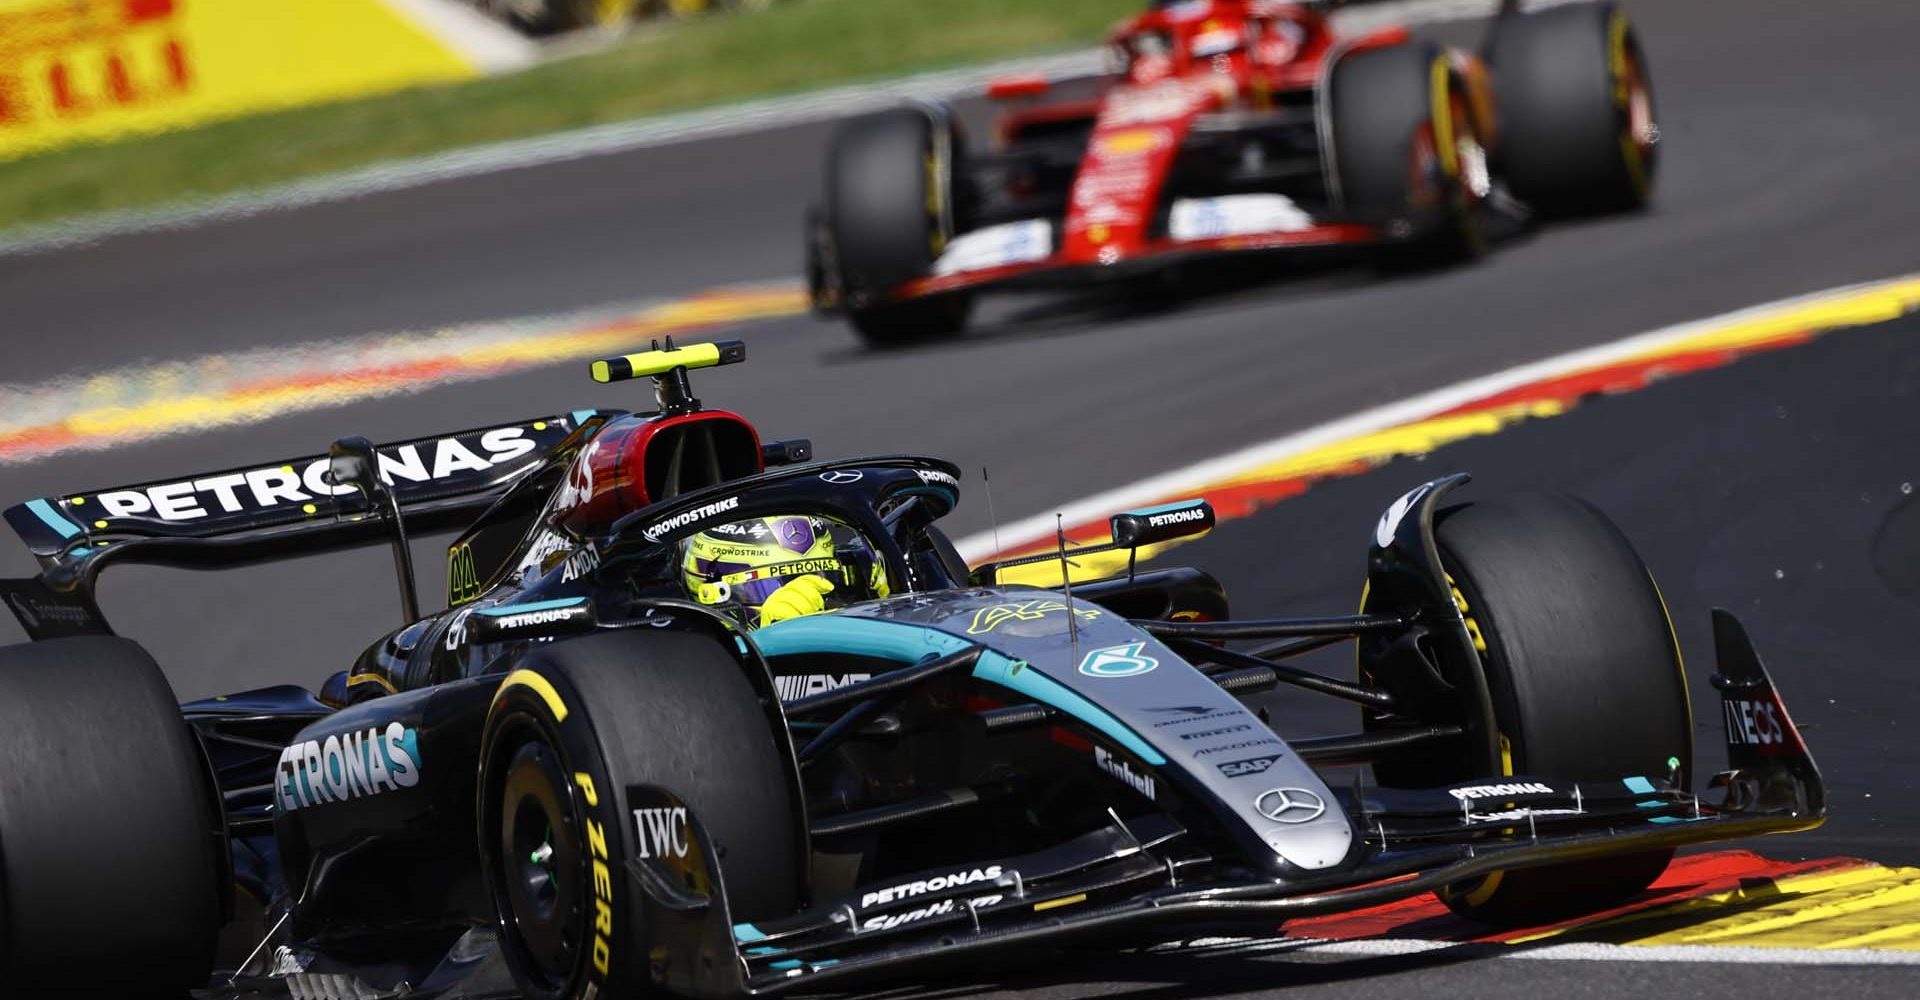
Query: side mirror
x,y
334,691
1152,525
1131,529
791,452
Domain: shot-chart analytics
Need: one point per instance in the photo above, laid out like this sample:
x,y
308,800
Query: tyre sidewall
x,y
1380,99
1583,672
643,709
108,828
1566,146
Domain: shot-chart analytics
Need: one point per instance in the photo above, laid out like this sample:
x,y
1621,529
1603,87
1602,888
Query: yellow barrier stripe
x,y
1759,329
105,69
1868,906
1877,305
1416,438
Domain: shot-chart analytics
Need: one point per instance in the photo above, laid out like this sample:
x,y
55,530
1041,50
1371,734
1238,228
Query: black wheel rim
x,y
541,876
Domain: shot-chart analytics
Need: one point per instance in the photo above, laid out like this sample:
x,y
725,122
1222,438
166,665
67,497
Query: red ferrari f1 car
x,y
1233,125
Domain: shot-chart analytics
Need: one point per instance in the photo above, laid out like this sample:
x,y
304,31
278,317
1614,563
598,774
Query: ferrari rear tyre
x,y
1584,674
893,196
111,868
1577,130
581,736
1408,152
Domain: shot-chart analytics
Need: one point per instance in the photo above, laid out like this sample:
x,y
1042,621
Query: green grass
x,y
795,46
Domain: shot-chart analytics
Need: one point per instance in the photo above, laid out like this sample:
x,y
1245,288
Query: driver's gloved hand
x,y
797,598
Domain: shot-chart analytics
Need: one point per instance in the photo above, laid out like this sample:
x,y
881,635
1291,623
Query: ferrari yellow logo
x,y
1132,142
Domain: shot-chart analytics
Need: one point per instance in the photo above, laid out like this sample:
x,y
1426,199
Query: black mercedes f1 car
x,y
580,780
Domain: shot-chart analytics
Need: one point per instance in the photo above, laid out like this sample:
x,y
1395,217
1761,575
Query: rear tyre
x,y
573,728
111,874
1577,130
1584,674
1408,152
891,203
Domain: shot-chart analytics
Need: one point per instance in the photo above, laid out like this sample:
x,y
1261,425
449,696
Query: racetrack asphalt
x,y
1788,164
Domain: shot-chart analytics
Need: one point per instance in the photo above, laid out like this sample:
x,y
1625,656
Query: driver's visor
x,y
754,585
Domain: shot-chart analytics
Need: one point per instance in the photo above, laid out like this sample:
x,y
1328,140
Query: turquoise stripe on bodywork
x,y
883,640
905,642
747,933
1163,508
520,609
1638,785
581,417
66,528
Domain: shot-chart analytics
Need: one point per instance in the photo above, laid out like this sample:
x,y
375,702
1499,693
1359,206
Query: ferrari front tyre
x,y
1407,151
111,867
893,187
1584,675
1577,129
582,736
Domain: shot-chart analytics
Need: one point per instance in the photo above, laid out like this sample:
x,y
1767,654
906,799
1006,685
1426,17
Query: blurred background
x,y
232,231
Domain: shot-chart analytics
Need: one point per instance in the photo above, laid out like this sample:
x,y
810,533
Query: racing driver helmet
x,y
741,564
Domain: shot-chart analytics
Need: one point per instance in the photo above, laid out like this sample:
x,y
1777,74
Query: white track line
x,y
1192,478
1579,951
621,137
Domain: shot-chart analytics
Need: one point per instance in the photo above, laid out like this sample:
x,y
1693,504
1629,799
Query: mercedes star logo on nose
x,y
841,477
1290,805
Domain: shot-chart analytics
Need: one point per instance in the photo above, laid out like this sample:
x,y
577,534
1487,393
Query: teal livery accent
x,y
899,641
580,417
1638,785
1165,507
747,933
66,528
908,643
517,609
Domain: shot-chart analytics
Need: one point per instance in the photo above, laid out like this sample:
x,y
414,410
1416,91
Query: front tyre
x,y
1575,99
1408,151
1585,678
895,182
577,729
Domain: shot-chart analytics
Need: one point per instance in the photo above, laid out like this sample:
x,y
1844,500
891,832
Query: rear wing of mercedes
x,y
266,512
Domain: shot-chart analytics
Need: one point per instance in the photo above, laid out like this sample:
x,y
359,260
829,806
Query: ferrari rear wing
x,y
264,512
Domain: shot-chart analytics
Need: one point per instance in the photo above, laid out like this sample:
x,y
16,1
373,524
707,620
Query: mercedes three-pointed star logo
x,y
841,477
1290,805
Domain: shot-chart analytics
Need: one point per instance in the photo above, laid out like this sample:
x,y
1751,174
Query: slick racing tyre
x,y
1577,131
1408,152
111,867
581,735
1584,674
895,187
